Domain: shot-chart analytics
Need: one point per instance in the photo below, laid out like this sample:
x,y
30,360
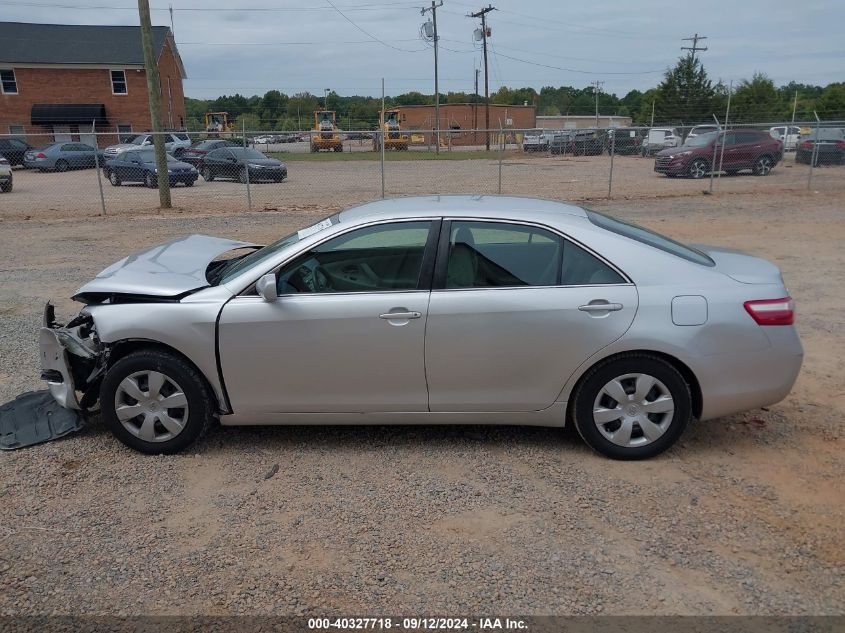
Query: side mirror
x,y
266,287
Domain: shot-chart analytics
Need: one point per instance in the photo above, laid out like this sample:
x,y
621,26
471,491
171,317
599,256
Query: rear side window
x,y
501,255
645,236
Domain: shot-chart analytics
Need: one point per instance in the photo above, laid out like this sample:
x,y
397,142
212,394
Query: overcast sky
x,y
253,46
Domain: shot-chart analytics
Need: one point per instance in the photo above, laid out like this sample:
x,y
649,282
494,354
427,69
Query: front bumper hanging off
x,y
72,360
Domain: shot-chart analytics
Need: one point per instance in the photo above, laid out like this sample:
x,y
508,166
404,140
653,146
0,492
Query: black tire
x,y
207,175
189,183
149,181
200,404
242,176
6,188
114,179
593,382
698,168
62,165
763,166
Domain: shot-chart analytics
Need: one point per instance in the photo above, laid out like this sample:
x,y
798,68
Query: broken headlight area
x,y
73,360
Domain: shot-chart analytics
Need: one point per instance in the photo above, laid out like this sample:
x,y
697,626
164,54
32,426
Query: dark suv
x,y
752,150
13,150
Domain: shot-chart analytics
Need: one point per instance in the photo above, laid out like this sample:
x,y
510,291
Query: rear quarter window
x,y
648,237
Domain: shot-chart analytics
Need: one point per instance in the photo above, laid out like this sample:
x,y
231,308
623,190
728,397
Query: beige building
x,y
568,122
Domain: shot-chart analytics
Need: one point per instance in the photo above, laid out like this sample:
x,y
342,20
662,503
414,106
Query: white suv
x,y
5,175
174,142
789,135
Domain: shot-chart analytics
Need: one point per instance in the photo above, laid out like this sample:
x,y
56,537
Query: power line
x,y
574,70
483,15
367,33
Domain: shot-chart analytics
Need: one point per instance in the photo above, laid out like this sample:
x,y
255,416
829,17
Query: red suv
x,y
753,150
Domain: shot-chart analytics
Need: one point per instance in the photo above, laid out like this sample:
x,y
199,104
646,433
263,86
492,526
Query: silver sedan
x,y
445,310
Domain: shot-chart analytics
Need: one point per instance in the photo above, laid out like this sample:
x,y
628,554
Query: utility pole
x,y
475,106
433,9
598,85
483,15
695,47
155,104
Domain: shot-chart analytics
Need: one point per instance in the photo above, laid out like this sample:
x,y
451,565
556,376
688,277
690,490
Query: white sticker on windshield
x,y
316,228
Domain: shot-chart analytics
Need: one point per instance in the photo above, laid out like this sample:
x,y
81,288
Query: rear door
x,y
516,308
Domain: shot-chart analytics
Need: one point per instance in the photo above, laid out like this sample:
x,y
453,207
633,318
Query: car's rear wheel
x,y
114,179
763,166
698,168
149,181
62,165
242,175
155,402
207,175
632,407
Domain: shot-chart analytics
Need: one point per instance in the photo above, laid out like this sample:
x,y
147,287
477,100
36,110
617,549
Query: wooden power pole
x,y
155,104
483,15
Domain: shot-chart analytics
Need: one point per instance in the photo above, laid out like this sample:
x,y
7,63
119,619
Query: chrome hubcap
x,y
633,410
698,170
151,406
763,166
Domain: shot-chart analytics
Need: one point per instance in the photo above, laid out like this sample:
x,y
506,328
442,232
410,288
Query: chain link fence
x,y
98,173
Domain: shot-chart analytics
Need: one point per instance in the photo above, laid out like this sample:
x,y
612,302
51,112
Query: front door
x,y
515,310
346,334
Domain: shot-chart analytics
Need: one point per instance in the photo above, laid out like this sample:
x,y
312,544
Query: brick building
x,y
57,79
459,117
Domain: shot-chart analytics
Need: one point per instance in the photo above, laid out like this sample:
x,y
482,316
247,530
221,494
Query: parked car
x,y
194,154
525,311
659,138
698,130
14,150
63,156
789,135
5,175
752,150
287,138
536,141
140,166
264,140
830,147
238,163
588,142
561,142
174,143
359,136
624,140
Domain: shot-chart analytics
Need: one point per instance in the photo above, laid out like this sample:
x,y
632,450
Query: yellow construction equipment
x,y
217,123
325,136
389,124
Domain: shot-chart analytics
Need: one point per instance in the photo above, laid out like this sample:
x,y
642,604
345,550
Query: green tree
x,y
686,94
757,100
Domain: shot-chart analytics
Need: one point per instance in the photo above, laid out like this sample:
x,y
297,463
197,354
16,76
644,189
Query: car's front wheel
x,y
763,166
632,407
699,168
149,181
114,179
207,175
155,402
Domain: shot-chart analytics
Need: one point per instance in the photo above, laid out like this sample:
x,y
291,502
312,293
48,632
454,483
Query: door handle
x,y
397,316
601,307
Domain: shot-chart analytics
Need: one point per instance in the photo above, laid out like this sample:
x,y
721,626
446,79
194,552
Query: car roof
x,y
494,207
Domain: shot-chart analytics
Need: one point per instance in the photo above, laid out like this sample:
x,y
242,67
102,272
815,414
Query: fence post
x,y
727,118
612,154
246,169
814,154
97,166
383,137
501,153
715,147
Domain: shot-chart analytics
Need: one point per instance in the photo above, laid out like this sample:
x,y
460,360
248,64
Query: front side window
x,y
384,257
118,82
8,81
495,255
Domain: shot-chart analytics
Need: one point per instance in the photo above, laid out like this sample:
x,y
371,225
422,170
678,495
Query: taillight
x,y
840,144
41,155
806,145
772,311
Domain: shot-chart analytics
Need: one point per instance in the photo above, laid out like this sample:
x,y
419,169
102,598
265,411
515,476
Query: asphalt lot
x,y
743,516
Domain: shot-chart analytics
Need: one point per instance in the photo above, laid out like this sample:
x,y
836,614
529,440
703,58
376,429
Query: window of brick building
x,y
118,82
8,81
17,130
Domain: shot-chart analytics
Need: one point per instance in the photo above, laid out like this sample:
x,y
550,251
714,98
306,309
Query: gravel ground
x,y
315,184
743,516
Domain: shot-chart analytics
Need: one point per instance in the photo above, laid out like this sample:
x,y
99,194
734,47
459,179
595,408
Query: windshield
x,y
645,236
246,152
138,140
701,140
149,156
237,266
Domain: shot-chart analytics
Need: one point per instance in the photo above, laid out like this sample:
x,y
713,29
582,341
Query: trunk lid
x,y
170,269
741,266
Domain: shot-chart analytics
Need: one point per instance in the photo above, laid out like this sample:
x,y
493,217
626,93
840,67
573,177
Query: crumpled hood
x,y
166,270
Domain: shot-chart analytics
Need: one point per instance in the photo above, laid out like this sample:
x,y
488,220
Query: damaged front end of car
x,y
73,359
